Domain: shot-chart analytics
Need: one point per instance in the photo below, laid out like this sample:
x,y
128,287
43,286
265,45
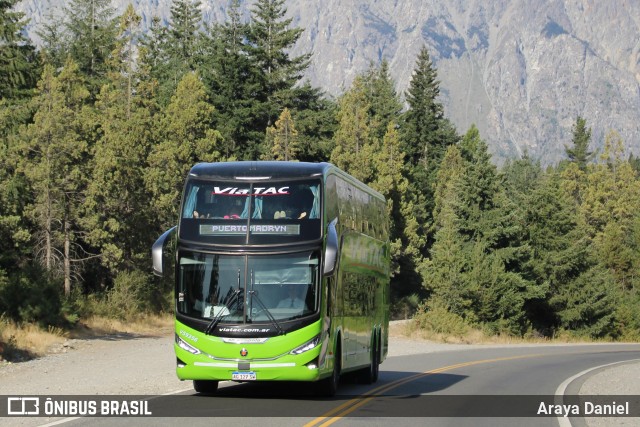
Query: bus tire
x,y
369,375
205,386
329,386
376,362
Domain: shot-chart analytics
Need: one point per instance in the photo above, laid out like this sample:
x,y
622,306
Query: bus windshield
x,y
236,289
257,213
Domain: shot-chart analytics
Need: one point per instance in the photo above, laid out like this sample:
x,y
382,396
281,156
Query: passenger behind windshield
x,y
293,299
296,206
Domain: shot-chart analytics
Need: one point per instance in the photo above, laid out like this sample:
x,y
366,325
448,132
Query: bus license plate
x,y
243,376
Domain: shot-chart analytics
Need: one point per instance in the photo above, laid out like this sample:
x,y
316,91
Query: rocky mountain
x,y
521,70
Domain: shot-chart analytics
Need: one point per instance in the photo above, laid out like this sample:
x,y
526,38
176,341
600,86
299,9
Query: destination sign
x,y
235,230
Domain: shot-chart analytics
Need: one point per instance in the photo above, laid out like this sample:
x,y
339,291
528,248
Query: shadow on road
x,y
296,399
388,385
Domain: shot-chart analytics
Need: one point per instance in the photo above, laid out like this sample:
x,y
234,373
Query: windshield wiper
x,y
228,301
254,294
264,308
233,298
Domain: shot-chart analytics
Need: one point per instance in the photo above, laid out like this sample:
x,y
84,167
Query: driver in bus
x,y
293,300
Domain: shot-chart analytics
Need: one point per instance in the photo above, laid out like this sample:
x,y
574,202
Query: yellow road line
x,y
351,405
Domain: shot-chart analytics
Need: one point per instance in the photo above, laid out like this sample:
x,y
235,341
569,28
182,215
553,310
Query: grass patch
x,y
153,325
419,329
433,322
21,342
25,342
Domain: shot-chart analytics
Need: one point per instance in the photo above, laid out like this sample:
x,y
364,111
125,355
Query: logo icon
x,y
244,352
23,406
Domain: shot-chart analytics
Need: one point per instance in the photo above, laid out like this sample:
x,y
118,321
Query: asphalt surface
x,y
616,379
608,380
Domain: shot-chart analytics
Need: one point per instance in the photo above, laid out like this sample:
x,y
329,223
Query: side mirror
x,y
157,251
331,249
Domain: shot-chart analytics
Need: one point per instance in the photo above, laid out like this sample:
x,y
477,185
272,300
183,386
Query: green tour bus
x,y
281,274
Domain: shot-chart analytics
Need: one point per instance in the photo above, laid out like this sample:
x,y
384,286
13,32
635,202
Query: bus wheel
x,y
329,386
369,375
375,362
205,386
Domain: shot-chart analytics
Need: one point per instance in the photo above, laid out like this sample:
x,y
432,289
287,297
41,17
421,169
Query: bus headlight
x,y
307,346
186,346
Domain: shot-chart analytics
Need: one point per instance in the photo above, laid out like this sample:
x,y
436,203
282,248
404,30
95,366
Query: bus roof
x,y
257,170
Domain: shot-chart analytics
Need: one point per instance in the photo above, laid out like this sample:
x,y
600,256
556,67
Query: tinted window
x,y
272,212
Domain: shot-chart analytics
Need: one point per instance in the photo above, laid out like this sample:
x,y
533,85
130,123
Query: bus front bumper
x,y
303,367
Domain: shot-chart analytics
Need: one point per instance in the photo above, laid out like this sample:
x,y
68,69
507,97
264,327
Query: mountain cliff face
x,y
521,70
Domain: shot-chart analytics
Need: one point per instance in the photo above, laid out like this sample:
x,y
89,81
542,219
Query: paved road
x,y
129,365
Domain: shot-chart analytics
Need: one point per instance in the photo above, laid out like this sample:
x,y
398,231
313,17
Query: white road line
x,y
62,421
564,421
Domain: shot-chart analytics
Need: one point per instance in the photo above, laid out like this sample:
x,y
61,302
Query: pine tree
x,y
175,48
481,184
559,248
355,140
444,273
269,39
579,153
18,62
315,118
388,163
606,199
521,177
91,26
474,217
611,190
586,305
426,134
153,54
282,139
610,207
53,156
634,162
54,41
187,137
18,76
186,18
234,84
384,104
117,204
14,232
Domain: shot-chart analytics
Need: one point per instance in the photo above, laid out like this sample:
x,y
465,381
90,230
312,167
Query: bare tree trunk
x,y
48,232
67,259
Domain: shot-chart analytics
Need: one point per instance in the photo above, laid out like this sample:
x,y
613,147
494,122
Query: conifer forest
x,y
100,124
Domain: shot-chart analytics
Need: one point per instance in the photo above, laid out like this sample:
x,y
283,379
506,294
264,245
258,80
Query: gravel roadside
x,y
91,366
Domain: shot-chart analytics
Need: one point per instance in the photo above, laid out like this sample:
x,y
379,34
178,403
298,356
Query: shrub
x,y
435,318
31,296
133,293
405,307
